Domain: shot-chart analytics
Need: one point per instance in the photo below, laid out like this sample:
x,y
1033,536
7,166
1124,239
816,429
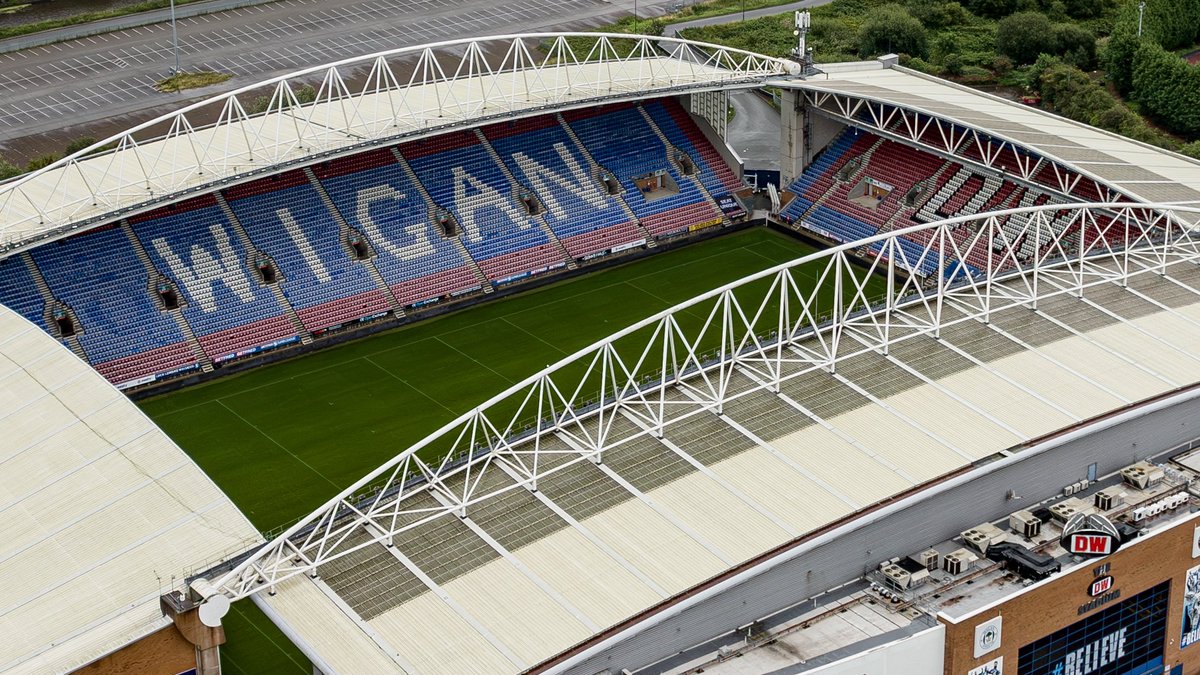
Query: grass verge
x,y
182,81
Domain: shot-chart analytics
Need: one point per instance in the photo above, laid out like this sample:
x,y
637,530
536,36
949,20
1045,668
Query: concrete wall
x,y
822,131
914,655
936,514
791,135
718,141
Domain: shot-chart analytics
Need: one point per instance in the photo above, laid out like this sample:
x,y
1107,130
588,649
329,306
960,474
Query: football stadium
x,y
491,360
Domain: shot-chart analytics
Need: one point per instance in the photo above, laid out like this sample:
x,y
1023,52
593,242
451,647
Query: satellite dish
x,y
213,610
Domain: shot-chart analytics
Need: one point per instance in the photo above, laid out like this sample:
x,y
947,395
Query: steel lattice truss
x,y
955,138
360,102
682,359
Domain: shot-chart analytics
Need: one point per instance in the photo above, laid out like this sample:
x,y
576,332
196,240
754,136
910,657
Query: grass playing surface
x,y
283,439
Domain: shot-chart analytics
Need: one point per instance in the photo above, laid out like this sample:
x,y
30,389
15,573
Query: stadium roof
x,y
405,93
1006,131
98,510
696,440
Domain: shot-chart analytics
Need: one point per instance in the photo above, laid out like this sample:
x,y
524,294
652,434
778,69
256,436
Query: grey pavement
x,y
753,133
117,23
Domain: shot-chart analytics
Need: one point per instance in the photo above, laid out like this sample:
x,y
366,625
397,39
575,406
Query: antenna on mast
x,y
802,53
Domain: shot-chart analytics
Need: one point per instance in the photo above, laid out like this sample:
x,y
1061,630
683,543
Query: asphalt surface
x,y
675,28
101,84
754,130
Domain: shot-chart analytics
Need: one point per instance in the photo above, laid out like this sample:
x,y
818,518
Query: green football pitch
x,y
283,439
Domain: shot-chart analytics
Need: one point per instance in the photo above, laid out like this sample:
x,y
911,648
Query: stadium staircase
x,y
50,303
344,232
944,193
432,206
672,157
567,258
596,170
276,288
176,315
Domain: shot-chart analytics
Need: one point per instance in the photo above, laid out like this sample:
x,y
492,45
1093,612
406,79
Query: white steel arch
x,y
756,324
405,93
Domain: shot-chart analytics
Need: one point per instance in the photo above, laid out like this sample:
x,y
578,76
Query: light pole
x,y
743,10
1141,11
174,39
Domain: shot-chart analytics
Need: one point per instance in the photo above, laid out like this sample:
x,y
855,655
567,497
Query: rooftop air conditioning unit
x,y
1063,510
1109,498
958,561
896,576
1025,524
982,536
1142,475
929,558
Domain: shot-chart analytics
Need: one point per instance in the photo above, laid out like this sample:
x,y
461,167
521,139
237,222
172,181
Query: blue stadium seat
x,y
99,276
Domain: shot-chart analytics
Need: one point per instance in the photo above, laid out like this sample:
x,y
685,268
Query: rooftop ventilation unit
x,y
1142,475
929,558
1025,524
958,561
1063,510
1109,498
982,536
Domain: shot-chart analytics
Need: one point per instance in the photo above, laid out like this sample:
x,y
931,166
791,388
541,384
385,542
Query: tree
x,y
993,9
937,14
1076,44
1168,88
1117,58
891,29
1023,36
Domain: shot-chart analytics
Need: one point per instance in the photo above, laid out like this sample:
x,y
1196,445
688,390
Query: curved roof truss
x,y
1001,135
360,102
683,359
959,139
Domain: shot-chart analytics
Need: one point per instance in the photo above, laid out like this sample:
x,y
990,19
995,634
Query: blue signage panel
x,y
1125,638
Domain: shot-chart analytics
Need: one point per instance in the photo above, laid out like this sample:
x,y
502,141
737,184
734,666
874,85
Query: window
x,y
1124,638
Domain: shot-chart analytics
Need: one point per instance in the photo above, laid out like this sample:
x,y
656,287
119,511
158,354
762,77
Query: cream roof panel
x,y
95,502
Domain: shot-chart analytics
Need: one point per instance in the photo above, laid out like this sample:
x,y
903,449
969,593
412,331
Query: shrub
x,y
952,64
79,144
1023,36
891,28
935,14
8,170
1191,149
41,161
1002,66
1168,88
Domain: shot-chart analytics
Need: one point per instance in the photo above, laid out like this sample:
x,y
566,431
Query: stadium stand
x,y
279,259
862,184
624,143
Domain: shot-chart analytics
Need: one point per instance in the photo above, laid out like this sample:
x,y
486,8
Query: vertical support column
x,y
791,135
